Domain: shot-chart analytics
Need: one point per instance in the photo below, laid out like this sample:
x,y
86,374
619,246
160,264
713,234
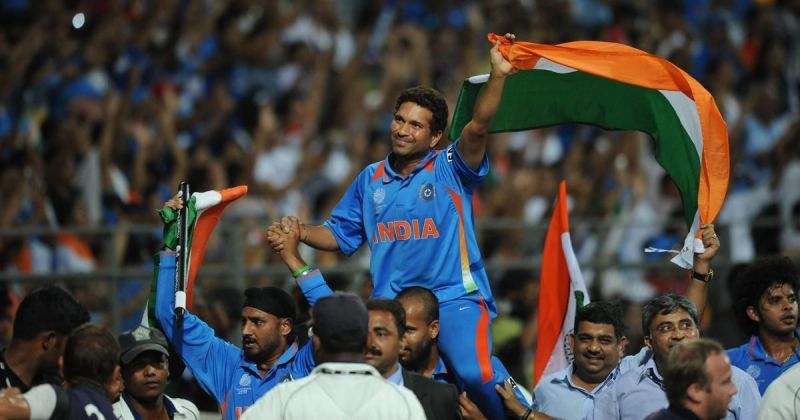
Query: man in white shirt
x,y
342,386
145,370
782,399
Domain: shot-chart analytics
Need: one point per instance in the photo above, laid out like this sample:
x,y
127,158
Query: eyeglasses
x,y
669,327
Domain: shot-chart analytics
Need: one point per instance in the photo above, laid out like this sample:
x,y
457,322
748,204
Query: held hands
x,y
500,66
284,236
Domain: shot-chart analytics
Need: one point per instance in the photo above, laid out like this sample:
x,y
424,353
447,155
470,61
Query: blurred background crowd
x,y
106,105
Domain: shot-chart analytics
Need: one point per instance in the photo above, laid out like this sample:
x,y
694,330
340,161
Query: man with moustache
x,y
386,330
597,343
698,382
766,306
667,321
236,377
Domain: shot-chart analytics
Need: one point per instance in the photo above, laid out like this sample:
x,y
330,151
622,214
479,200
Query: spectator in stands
x,y
43,322
342,386
92,376
145,369
387,325
698,382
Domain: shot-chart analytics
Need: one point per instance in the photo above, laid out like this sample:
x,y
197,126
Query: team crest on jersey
x,y
379,195
427,192
245,380
754,371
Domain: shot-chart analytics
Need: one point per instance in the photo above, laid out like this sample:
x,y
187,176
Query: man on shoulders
x,y
342,386
698,382
766,306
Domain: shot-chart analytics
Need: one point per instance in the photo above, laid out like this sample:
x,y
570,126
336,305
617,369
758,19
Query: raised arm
x,y
698,289
472,144
286,244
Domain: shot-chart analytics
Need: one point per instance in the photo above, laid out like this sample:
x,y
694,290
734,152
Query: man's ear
x,y
622,343
286,326
436,138
48,339
648,342
752,313
695,393
434,329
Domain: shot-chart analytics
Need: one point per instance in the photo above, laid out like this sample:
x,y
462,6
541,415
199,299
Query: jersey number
x,y
92,410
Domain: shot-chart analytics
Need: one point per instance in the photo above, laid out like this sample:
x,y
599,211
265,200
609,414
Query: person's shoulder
x,y
415,380
184,406
739,354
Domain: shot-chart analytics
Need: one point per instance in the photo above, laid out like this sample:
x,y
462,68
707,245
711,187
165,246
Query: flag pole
x,y
182,252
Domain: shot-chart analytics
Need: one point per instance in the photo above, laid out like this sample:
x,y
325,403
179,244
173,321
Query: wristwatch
x,y
705,278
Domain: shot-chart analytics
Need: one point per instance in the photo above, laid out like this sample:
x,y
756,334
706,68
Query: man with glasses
x,y
667,321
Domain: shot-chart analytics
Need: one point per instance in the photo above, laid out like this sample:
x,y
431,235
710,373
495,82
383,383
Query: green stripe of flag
x,y
542,98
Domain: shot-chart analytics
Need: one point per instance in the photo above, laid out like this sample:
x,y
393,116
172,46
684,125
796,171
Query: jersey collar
x,y
757,353
426,162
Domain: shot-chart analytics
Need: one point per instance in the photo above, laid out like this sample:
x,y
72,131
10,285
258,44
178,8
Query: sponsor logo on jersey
x,y
403,230
450,154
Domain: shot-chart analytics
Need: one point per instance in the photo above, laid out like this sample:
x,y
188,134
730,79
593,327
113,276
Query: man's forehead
x,y
594,328
779,289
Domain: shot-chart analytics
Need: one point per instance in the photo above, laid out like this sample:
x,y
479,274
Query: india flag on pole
x,y
617,87
205,209
562,292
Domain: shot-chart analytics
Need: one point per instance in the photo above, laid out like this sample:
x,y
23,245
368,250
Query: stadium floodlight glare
x,y
78,20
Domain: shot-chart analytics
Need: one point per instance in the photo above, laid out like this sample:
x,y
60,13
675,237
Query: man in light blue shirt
x,y
667,320
765,303
598,344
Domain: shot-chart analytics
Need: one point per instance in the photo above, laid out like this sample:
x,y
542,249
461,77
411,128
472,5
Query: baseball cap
x,y
340,318
139,340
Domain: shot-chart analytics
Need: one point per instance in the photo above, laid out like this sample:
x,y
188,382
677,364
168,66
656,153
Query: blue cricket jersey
x,y
420,230
753,359
220,367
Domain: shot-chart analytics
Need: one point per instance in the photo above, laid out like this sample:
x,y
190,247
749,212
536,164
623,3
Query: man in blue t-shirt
x,y
766,306
414,210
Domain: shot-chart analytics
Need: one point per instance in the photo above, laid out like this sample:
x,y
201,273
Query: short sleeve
x,y
346,221
470,178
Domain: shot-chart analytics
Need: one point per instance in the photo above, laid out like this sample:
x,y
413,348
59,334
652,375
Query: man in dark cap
x,y
342,386
145,369
237,377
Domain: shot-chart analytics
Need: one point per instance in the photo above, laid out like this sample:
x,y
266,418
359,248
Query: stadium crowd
x,y
107,105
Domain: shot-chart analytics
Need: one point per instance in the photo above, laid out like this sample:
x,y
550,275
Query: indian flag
x,y
617,87
561,293
204,209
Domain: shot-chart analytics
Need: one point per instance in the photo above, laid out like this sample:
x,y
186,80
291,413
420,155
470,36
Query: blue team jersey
x,y
420,230
753,359
220,367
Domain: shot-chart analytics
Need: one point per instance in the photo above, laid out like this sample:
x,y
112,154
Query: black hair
x,y
393,307
49,308
664,305
755,280
91,353
601,312
430,304
429,99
